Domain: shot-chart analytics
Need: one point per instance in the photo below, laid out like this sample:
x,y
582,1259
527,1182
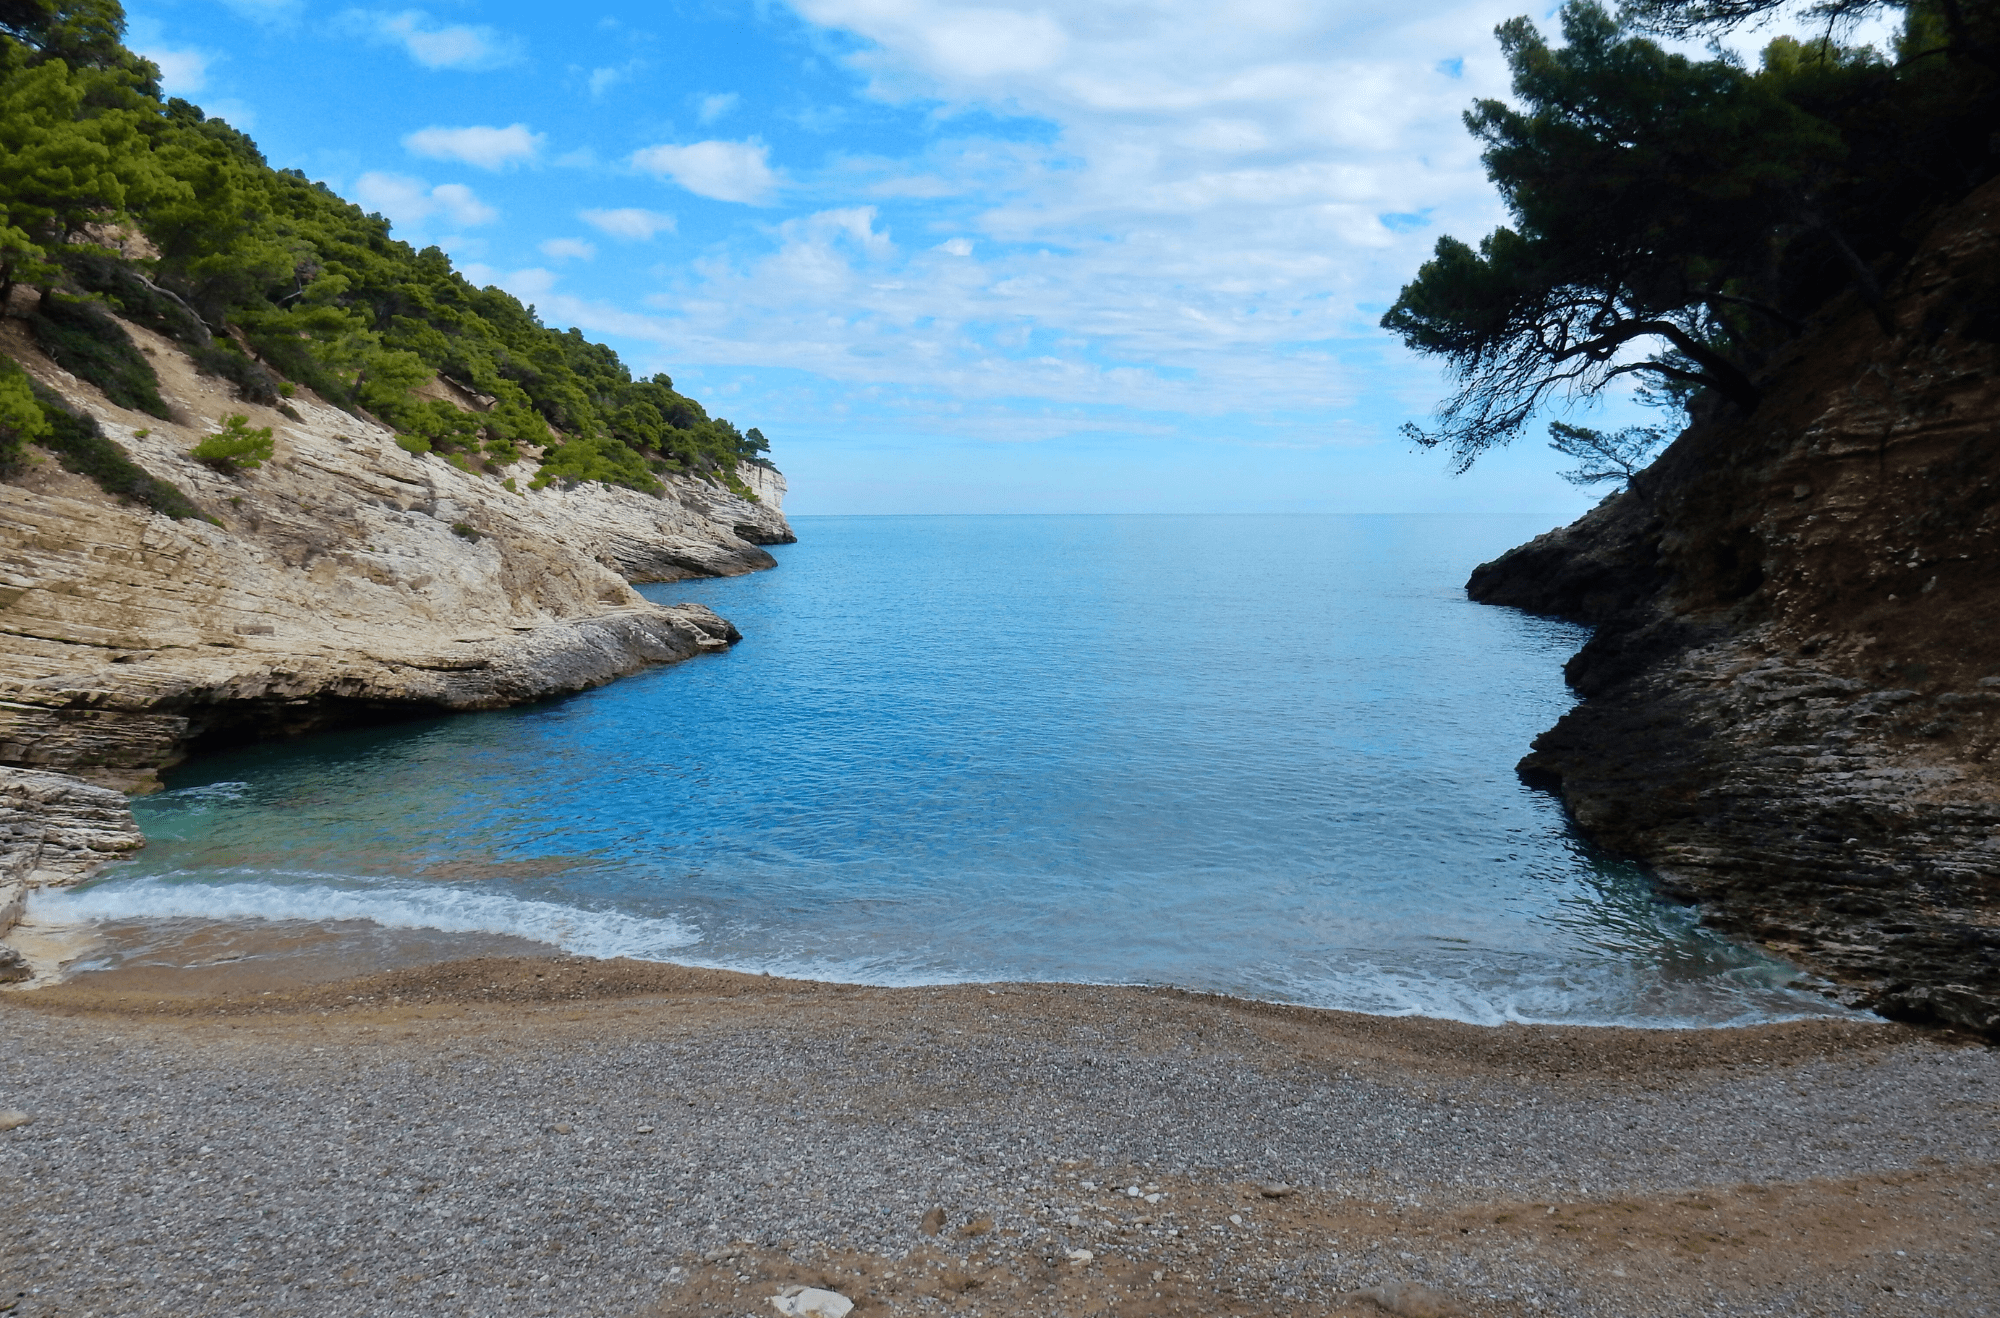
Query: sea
x,y
1266,756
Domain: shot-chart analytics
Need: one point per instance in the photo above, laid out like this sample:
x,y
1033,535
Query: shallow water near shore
x,y
1265,756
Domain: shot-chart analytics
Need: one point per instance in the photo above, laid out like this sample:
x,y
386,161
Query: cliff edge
x,y
343,579
1792,700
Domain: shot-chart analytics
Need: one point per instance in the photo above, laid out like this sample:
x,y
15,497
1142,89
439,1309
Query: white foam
x,y
224,792
446,907
1500,990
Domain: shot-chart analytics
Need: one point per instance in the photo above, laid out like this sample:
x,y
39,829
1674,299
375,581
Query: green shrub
x,y
443,427
80,446
293,357
253,383
465,531
596,458
83,339
413,444
235,447
138,299
20,416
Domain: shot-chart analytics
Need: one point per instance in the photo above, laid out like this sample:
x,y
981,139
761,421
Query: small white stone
x,y
12,1117
1081,1256
1235,1219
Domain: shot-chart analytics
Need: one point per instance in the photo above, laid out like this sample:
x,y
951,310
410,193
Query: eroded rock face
x,y
54,829
346,578
57,829
1792,701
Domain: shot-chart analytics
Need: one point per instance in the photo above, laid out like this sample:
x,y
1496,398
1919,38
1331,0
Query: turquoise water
x,y
1263,755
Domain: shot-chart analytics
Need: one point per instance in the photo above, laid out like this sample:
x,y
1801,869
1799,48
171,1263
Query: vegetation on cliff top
x,y
262,273
1680,220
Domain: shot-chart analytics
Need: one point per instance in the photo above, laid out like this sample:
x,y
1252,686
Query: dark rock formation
x,y
1792,699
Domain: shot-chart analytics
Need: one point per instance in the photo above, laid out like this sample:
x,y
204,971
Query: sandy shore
x,y
556,1136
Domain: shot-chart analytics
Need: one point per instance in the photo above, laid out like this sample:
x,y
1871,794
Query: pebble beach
x,y
559,1136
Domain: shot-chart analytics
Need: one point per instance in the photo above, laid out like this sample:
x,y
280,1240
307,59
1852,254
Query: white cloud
x,y
710,108
237,114
182,72
458,46
530,284
456,200
488,148
407,202
1194,216
725,171
568,249
629,222
1163,206
603,80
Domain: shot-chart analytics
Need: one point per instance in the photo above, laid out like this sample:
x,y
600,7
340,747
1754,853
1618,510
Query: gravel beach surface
x,y
559,1136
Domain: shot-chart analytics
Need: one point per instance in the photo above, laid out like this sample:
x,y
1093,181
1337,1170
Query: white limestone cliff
x,y
345,578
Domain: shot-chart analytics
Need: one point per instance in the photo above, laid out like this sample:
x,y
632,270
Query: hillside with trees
x,y
115,199
1682,221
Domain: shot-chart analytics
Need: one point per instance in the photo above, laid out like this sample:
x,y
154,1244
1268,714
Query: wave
x,y
443,907
1486,988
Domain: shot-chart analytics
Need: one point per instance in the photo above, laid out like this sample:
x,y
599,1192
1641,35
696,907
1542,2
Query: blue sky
x,y
950,257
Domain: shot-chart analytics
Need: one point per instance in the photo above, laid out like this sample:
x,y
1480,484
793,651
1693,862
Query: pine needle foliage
x,y
319,291
1678,219
236,447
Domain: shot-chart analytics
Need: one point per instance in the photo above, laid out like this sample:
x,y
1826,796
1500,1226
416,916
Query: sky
x,y
950,257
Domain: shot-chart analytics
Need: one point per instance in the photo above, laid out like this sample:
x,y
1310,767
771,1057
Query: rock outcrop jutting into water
x,y
1792,701
344,579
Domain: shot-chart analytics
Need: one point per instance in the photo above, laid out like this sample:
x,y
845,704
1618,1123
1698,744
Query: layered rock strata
x,y
54,829
345,578
1792,699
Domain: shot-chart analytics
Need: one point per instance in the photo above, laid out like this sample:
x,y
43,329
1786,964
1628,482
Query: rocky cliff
x,y
1792,699
54,829
345,578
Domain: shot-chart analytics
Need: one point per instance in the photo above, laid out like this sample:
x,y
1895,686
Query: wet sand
x,y
560,1136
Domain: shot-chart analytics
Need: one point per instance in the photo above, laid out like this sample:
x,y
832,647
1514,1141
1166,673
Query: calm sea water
x,y
1264,755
